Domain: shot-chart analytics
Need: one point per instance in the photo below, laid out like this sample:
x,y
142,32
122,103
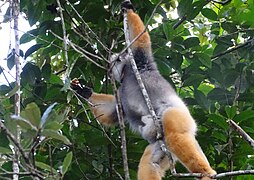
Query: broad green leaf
x,y
4,150
66,163
209,13
11,60
191,42
4,140
46,167
201,99
220,136
231,111
194,80
31,73
204,59
46,71
29,36
55,135
53,125
185,7
33,114
244,115
24,123
32,49
45,115
219,120
229,27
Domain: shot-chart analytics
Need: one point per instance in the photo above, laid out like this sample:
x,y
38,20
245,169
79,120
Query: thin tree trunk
x,y
15,7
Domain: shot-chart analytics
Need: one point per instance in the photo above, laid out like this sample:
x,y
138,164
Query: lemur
x,y
179,128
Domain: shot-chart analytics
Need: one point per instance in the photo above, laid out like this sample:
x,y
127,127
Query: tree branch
x,y
220,175
64,33
232,49
16,9
245,136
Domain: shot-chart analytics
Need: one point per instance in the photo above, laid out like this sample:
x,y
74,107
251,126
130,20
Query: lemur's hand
x,y
81,89
127,5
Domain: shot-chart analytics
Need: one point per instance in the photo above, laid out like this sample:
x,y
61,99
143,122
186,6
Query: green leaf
x,y
30,35
219,120
209,13
244,115
46,167
194,80
220,136
53,125
33,114
32,49
191,42
11,60
4,150
185,7
231,111
45,115
30,74
201,99
55,135
24,123
46,71
204,59
4,140
66,163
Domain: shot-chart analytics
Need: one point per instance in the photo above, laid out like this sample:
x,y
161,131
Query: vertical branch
x,y
15,8
121,124
64,36
230,149
122,130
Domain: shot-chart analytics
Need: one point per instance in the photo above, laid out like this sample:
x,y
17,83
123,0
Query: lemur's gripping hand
x,y
126,5
81,89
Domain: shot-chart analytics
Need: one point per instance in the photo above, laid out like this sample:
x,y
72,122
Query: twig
x,y
145,94
245,136
180,22
41,39
64,33
231,50
220,175
122,130
119,111
81,51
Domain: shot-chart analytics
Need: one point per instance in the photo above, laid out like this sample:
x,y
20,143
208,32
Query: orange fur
x,y
179,132
147,169
136,27
103,105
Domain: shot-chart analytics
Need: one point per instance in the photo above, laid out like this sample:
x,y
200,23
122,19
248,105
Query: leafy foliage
x,y
206,54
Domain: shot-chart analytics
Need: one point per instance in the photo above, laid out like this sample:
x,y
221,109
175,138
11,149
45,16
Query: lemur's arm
x,y
103,105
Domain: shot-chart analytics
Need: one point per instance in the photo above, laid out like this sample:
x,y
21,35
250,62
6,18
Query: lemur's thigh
x,y
148,168
179,133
